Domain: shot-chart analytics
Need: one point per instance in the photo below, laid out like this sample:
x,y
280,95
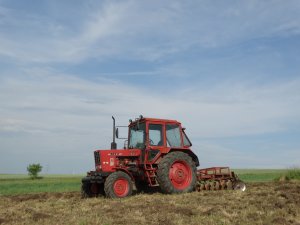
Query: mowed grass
x,y
275,203
12,184
56,199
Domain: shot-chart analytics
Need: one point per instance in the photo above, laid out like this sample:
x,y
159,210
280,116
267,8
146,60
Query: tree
x,y
33,170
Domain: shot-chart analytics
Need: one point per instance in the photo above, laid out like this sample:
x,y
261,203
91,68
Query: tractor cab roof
x,y
156,120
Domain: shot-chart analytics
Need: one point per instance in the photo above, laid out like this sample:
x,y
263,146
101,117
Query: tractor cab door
x,y
173,136
156,141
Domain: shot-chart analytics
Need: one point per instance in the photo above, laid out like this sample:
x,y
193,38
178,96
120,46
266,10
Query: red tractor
x,y
156,153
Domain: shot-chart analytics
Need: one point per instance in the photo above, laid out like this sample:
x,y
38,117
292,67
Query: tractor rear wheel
x,y
118,185
176,173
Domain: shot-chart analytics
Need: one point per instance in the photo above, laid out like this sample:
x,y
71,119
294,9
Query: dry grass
x,y
262,203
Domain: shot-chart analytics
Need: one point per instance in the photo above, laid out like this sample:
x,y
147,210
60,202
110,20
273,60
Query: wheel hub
x,y
180,175
121,187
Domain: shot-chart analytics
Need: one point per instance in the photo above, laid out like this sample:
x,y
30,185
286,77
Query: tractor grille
x,y
97,158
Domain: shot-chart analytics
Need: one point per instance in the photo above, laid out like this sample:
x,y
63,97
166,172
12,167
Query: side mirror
x,y
117,132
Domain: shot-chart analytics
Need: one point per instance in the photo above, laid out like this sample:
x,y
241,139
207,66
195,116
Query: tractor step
x,y
152,178
150,173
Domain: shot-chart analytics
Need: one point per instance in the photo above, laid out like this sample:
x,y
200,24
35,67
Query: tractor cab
x,y
156,137
149,133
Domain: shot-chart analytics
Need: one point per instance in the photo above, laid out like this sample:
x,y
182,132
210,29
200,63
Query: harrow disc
x,y
229,185
239,186
223,184
217,186
202,187
207,186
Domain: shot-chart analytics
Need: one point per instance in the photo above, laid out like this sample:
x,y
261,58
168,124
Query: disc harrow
x,y
218,178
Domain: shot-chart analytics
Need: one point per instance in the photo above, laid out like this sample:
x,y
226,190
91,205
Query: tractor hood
x,y
108,160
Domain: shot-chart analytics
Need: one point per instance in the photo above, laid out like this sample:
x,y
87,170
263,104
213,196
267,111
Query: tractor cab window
x,y
155,135
173,135
186,140
137,136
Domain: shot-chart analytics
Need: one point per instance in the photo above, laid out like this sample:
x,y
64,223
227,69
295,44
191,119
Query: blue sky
x,y
229,71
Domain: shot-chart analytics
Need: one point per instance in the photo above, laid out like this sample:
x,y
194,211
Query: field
x,y
56,200
21,184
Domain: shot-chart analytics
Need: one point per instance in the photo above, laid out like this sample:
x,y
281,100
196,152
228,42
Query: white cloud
x,y
225,110
146,31
212,154
43,114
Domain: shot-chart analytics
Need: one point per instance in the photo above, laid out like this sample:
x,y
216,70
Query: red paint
x,y
139,163
121,187
107,155
215,173
180,175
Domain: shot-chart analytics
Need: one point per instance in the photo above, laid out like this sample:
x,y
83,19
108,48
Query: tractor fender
x,y
127,172
190,153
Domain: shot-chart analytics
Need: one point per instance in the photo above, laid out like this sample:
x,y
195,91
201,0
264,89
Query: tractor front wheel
x,y
118,185
176,173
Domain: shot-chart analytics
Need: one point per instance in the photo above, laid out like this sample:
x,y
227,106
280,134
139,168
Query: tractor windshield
x,y
137,136
186,140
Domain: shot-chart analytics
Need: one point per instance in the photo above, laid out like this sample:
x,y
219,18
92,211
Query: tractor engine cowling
x,y
111,160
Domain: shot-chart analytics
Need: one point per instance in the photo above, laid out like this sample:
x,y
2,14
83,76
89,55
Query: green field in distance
x,y
259,175
12,184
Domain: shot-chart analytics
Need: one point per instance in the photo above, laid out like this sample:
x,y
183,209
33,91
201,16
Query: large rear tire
x,y
176,173
118,185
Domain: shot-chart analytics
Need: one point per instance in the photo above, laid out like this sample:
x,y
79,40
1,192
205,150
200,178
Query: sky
x,y
228,70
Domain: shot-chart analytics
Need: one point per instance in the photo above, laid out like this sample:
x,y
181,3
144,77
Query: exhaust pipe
x,y
113,145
